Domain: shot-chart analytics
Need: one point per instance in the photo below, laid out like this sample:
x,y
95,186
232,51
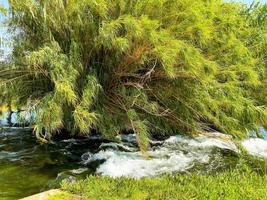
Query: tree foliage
x,y
148,66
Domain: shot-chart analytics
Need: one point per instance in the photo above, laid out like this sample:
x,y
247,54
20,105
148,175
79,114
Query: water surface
x,y
27,167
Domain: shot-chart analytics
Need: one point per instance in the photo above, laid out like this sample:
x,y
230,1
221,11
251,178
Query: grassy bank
x,y
240,183
228,185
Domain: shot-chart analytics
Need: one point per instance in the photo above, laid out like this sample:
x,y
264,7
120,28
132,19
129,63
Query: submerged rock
x,y
87,156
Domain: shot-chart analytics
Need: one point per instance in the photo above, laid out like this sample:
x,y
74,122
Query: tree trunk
x,y
9,116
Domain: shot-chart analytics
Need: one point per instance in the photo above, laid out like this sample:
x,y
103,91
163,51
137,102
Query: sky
x,y
3,34
250,1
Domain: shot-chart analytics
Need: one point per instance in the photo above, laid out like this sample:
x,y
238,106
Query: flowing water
x,y
27,167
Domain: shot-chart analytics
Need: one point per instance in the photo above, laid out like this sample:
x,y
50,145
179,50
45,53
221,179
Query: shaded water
x,y
27,167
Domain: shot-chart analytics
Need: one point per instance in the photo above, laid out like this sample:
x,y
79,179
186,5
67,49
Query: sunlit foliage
x,y
147,66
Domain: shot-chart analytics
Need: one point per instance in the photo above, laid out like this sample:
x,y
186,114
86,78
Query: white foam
x,y
256,147
203,142
134,165
178,153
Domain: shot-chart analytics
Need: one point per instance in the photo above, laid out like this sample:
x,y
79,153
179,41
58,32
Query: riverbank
x,y
230,185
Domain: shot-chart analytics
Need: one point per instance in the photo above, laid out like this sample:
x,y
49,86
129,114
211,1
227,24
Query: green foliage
x,y
150,66
3,10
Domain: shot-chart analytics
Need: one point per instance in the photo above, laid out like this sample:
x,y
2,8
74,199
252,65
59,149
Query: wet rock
x,y
65,176
117,146
43,195
217,135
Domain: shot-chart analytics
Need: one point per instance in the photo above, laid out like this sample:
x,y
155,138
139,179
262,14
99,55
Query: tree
x,y
147,66
256,15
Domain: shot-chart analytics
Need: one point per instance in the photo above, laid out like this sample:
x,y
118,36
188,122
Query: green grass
x,y
230,185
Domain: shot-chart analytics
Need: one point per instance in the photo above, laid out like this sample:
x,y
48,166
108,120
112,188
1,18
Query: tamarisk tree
x,y
146,66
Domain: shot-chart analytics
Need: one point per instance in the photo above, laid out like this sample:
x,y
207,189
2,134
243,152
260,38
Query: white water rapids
x,y
176,154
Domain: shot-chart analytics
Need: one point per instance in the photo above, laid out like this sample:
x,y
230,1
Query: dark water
x,y
27,167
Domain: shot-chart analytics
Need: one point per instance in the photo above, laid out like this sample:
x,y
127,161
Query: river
x,y
27,167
